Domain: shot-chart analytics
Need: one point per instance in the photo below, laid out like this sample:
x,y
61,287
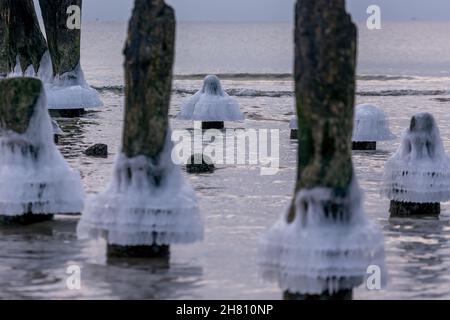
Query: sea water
x,y
404,68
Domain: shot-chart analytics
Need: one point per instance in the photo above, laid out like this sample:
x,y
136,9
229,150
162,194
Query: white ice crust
x,y
135,210
293,124
316,254
34,176
419,171
211,103
66,91
371,124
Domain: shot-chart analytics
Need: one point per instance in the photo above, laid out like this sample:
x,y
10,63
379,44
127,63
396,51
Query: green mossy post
x,y
20,36
63,43
149,57
325,64
18,100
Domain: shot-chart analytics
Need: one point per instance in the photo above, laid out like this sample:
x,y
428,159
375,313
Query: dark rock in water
x,y
20,36
149,53
155,251
213,125
25,219
294,134
200,164
63,43
364,145
19,98
408,209
98,150
66,113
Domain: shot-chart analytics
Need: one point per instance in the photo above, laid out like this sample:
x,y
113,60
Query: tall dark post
x,y
63,42
325,64
20,36
149,56
322,247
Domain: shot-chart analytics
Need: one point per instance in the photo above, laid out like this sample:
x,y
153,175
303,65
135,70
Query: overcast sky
x,y
269,10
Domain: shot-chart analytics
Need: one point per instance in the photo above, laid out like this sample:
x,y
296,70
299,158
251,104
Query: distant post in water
x,y
22,44
69,94
417,176
148,205
322,246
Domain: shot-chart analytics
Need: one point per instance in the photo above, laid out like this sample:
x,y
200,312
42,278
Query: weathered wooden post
x,y
323,245
22,45
35,180
64,42
147,206
417,176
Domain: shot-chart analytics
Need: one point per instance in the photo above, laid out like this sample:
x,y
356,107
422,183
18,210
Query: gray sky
x,y
269,10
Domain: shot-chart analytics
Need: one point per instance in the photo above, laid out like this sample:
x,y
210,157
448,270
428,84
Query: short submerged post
x,y
300,251
22,44
64,42
147,206
417,176
371,125
211,105
35,181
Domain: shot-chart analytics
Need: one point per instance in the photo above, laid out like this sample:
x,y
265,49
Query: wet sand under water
x,y
237,205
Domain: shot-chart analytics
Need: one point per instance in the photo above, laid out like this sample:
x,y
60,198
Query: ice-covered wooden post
x,y
148,206
22,45
69,94
323,245
370,126
417,176
35,181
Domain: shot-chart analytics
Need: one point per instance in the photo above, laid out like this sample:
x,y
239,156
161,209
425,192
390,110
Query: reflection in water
x,y
237,205
423,244
35,260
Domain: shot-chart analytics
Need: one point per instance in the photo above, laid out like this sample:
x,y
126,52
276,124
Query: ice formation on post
x,y
211,105
371,125
417,176
320,251
36,182
293,125
322,246
148,206
68,89
23,49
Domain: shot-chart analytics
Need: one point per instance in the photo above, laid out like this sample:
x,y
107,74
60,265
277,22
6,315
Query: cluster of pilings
x,y
326,190
55,59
